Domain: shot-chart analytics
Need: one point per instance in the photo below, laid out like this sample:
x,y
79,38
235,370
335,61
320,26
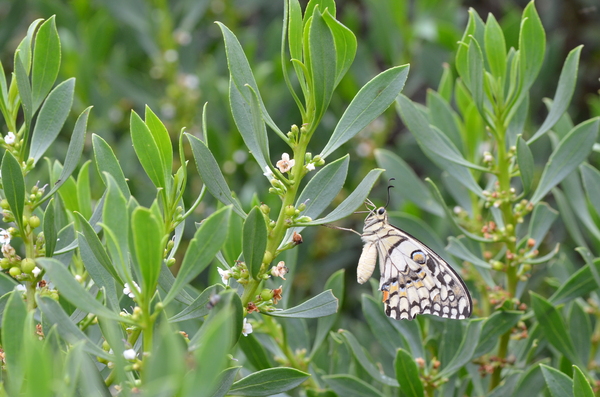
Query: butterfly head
x,y
376,216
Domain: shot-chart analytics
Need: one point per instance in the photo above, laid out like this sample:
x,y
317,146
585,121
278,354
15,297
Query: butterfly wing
x,y
415,280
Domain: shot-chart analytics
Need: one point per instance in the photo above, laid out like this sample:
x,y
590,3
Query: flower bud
x,y
14,271
265,209
290,210
27,265
268,258
34,221
266,294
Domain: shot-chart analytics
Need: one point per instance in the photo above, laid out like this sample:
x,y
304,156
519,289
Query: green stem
x,y
278,232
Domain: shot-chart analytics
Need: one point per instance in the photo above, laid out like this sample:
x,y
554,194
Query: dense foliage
x,y
187,256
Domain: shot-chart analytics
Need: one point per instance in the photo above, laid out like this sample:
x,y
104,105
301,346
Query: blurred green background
x,y
170,55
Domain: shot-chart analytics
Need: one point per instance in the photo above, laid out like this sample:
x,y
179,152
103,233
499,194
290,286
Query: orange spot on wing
x,y
386,296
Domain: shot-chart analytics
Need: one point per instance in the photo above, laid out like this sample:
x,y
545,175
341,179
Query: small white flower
x,y
129,354
225,274
280,270
4,236
487,157
129,291
285,164
10,138
78,278
247,328
310,167
36,271
268,173
21,288
457,210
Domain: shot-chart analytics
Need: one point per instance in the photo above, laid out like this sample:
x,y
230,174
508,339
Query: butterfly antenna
x,y
388,191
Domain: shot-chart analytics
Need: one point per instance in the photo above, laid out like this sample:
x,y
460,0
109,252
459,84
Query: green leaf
x,y
553,327
52,117
370,102
458,249
413,189
268,382
532,46
22,79
581,386
324,187
148,152
248,119
96,248
345,45
564,93
494,326
74,151
46,61
364,361
226,379
107,163
568,217
590,261
68,330
241,74
465,351
162,139
116,225
13,328
211,354
579,284
495,47
13,184
350,386
254,242
353,201
542,218
211,174
407,374
335,283
591,184
445,87
101,276
148,234
321,63
72,291
531,382
200,307
444,117
255,352
84,190
321,305
388,336
476,74
207,241
581,331
559,384
49,228
572,150
526,164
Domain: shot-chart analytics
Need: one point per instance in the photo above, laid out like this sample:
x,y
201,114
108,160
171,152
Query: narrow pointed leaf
x,y
13,183
350,386
321,64
211,174
370,102
407,374
572,150
591,184
321,305
163,140
532,46
74,292
46,61
268,382
147,240
147,151
564,93
254,241
51,118
526,164
352,202
207,241
465,351
559,384
581,386
336,284
494,326
107,162
581,283
49,228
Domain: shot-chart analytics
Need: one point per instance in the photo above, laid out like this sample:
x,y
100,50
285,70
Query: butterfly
x,y
414,279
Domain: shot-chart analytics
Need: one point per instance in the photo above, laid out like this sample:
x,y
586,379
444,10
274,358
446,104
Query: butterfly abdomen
x,y
366,263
